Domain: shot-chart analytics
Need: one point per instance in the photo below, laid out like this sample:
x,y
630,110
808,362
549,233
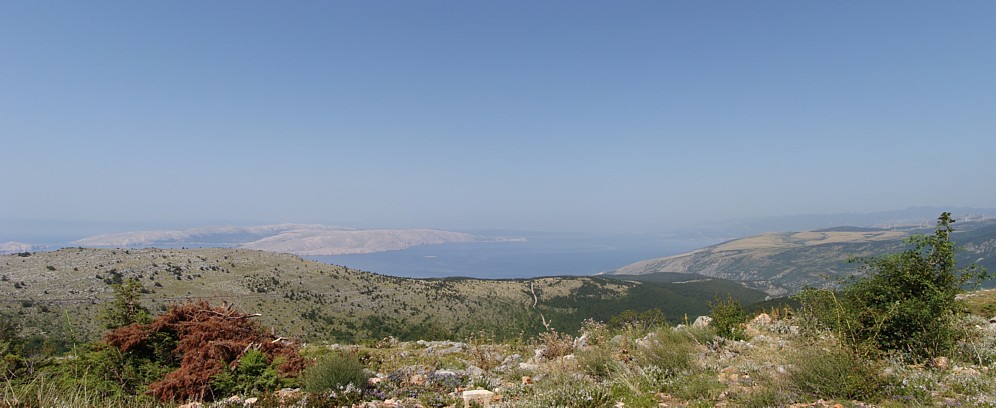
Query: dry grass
x,y
304,299
806,238
679,367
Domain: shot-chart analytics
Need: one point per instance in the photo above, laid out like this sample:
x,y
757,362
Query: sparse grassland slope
x,y
784,263
62,292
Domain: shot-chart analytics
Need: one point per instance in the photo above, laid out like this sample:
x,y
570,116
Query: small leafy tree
x,y
11,347
127,306
907,302
728,318
109,372
106,371
253,374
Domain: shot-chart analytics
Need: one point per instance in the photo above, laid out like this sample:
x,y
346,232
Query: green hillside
x,y
785,356
784,263
61,294
687,294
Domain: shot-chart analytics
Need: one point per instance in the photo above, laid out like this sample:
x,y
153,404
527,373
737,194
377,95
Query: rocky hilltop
x,y
317,301
298,239
784,263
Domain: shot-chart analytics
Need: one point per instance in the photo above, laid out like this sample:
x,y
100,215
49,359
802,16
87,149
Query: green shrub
x,y
627,388
105,371
832,373
252,375
728,318
597,362
11,350
556,344
126,307
698,386
334,371
906,304
482,352
668,350
595,333
819,311
700,335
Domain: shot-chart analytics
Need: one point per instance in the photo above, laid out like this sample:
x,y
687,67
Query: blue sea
x,y
539,255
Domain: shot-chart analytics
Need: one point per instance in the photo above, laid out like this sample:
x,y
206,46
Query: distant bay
x,y
539,255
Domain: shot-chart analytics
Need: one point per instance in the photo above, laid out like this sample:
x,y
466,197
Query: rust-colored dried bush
x,y
207,340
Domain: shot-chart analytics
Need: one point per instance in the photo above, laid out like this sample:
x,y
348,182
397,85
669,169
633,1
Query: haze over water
x,y
540,255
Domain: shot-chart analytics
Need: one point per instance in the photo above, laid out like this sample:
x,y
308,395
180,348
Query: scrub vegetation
x,y
902,334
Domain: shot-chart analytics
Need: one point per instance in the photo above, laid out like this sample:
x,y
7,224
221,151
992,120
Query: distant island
x,y
297,239
13,246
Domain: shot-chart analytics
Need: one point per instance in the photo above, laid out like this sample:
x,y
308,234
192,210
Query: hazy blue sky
x,y
493,114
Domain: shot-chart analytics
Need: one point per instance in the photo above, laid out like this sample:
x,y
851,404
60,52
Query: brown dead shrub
x,y
556,344
207,340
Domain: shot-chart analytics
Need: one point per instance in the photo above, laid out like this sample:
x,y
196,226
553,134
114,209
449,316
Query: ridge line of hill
x,y
784,263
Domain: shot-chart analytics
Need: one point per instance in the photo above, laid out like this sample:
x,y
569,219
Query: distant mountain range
x,y
784,263
298,239
909,217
